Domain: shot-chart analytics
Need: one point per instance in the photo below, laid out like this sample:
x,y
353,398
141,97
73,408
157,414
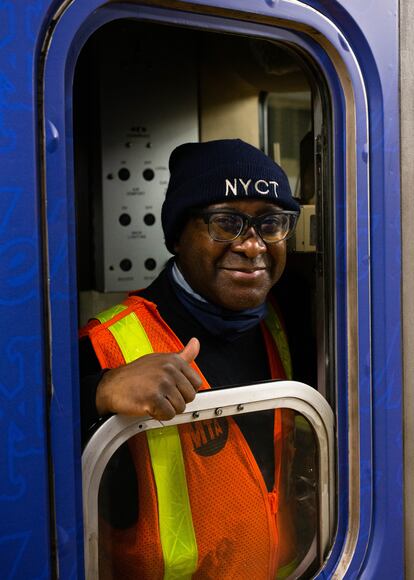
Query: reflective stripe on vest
x,y
178,541
288,569
279,336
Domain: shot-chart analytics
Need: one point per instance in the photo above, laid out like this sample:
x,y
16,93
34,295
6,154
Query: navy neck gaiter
x,y
228,324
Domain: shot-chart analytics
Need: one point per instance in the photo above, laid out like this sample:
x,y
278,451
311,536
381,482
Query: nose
x,y
250,244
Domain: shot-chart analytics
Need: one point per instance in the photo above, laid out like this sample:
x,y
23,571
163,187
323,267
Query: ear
x,y
178,235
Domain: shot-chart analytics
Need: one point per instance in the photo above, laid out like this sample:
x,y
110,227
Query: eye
x,y
227,223
274,227
273,223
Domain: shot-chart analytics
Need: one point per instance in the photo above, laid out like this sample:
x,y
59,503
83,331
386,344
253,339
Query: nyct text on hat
x,y
219,171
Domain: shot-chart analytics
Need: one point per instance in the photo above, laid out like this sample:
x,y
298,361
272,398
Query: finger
x,y
175,398
191,350
162,409
192,376
185,385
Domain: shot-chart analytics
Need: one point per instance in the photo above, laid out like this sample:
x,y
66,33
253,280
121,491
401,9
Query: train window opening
x,y
142,89
122,502
230,87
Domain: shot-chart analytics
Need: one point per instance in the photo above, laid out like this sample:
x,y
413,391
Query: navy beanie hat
x,y
217,171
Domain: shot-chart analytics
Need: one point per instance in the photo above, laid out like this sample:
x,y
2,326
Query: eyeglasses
x,y
226,226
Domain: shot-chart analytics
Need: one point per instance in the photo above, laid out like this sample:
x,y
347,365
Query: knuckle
x,y
164,385
176,359
168,367
158,399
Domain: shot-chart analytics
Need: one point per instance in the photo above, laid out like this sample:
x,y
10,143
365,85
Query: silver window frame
x,y
207,405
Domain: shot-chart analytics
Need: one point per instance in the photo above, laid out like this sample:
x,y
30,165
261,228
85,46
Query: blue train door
x,y
310,89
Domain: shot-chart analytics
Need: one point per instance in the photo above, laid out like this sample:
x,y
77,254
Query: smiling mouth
x,y
245,273
245,270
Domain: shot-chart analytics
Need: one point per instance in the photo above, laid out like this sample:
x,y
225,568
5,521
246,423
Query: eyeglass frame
x,y
248,222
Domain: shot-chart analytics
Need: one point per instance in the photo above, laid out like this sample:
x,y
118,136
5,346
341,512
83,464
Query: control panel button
x,y
125,265
150,264
148,174
124,174
124,219
149,219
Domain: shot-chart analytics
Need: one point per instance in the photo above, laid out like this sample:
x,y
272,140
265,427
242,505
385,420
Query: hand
x,y
158,385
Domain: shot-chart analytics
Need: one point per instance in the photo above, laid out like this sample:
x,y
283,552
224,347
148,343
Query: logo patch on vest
x,y
243,188
209,436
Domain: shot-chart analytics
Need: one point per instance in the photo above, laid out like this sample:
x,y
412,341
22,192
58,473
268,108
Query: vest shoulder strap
x,y
275,327
177,535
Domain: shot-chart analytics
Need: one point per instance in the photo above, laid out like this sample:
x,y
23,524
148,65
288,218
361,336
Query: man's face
x,y
238,274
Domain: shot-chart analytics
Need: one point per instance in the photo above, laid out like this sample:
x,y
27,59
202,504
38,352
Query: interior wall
x,y
233,74
229,105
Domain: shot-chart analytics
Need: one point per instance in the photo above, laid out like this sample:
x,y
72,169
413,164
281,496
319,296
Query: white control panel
x,y
305,233
148,106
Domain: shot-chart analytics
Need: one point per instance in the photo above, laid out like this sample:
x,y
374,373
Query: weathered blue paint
x,y
24,503
367,40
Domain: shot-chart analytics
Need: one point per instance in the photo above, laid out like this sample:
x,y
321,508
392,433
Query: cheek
x,y
196,257
279,262
201,264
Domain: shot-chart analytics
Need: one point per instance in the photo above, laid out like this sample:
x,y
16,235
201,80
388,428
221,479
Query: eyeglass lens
x,y
272,228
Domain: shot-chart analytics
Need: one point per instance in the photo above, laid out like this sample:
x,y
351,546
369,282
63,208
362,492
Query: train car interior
x,y
141,89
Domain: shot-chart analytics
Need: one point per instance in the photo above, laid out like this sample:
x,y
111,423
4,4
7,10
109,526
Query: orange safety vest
x,y
204,509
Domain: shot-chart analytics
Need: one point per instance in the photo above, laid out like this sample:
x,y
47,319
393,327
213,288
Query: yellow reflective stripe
x,y
288,569
178,541
276,330
177,534
110,313
131,337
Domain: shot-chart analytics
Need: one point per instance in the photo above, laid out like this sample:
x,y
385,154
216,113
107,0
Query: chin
x,y
242,302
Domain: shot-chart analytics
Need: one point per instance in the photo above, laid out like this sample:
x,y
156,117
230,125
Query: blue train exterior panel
x,y
24,488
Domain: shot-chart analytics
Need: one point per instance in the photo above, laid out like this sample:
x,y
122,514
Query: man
x,y
226,218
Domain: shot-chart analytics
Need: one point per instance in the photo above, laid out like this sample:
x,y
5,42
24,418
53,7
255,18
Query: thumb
x,y
191,350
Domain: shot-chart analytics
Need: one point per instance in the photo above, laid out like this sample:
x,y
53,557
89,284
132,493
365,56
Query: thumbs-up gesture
x,y
159,385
